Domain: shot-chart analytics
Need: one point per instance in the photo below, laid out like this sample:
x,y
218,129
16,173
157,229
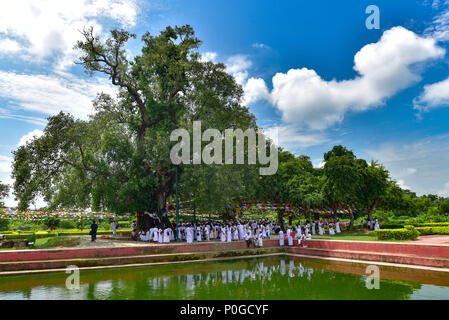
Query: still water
x,y
279,277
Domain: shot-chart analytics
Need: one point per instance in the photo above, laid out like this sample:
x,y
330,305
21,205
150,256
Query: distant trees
x,y
4,189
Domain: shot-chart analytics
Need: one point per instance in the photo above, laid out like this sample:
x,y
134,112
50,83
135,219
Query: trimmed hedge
x,y
392,226
432,224
407,233
433,230
416,225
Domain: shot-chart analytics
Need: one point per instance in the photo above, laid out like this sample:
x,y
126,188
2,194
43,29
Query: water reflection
x,y
269,278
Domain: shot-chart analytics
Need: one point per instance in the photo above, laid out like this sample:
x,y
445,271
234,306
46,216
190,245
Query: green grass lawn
x,y
361,235
356,235
55,242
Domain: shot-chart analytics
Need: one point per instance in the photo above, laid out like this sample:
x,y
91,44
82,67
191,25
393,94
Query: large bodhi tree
x,y
119,159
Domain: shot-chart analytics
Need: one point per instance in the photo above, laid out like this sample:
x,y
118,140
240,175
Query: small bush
x,y
67,224
4,224
124,224
31,238
432,224
51,221
433,230
392,226
24,227
408,233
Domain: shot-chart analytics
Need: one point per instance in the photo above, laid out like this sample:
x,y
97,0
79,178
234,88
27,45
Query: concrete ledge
x,y
430,255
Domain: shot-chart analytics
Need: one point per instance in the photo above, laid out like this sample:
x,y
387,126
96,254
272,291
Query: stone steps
x,y
413,259
68,253
133,259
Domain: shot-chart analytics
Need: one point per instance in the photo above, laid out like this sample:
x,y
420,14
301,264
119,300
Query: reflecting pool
x,y
277,277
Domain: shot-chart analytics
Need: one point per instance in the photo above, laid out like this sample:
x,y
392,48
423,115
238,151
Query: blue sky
x,y
313,74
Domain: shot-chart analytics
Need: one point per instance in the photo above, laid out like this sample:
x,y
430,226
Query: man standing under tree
x,y
93,230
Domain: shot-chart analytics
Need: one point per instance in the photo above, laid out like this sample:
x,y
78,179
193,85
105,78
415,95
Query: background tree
x,y
4,190
342,177
119,159
373,185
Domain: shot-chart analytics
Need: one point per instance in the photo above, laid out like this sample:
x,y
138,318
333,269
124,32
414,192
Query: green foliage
x,y
67,224
120,158
51,221
124,224
408,233
4,224
31,238
433,230
54,242
392,226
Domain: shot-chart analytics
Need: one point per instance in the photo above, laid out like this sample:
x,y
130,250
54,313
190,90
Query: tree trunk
x,y
281,218
351,221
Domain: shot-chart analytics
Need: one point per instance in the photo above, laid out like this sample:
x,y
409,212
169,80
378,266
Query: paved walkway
x,y
434,239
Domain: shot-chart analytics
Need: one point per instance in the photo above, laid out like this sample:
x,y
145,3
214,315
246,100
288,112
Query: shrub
x,y
432,224
4,224
24,227
31,238
124,224
51,221
67,224
392,226
407,233
433,230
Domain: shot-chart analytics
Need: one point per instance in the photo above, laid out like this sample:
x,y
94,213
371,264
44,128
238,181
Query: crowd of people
x,y
254,232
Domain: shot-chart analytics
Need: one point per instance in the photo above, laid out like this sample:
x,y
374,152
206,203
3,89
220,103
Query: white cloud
x,y
9,46
420,166
51,27
434,95
49,94
238,65
30,136
439,28
8,114
260,46
208,56
290,138
255,89
401,183
384,68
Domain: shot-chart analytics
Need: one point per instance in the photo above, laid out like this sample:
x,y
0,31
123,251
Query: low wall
x,y
430,250
409,253
67,253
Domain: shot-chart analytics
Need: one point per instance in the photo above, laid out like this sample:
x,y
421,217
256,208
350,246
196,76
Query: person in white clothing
x,y
290,236
160,236
376,225
189,234
337,227
281,238
228,234
222,234
167,235
114,226
331,229
260,240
